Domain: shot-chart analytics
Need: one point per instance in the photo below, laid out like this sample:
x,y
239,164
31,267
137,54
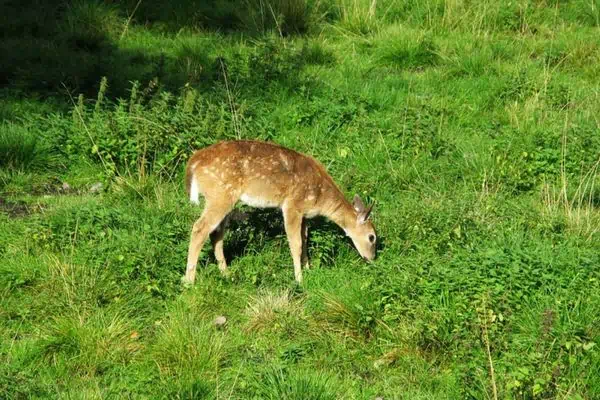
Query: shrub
x,y
153,130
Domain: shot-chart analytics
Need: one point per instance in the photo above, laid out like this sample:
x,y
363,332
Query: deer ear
x,y
358,205
364,215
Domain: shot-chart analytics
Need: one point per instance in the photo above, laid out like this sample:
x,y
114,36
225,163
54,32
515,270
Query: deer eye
x,y
372,238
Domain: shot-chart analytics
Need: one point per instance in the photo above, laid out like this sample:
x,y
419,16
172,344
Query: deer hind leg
x,y
212,216
293,230
216,237
304,258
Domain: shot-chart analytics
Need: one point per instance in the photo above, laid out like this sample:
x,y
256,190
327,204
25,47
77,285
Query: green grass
x,y
22,149
474,127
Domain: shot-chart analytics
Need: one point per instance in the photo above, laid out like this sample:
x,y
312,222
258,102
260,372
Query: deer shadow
x,y
254,228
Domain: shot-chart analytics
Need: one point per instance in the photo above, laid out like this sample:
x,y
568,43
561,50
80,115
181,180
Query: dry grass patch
x,y
577,203
271,310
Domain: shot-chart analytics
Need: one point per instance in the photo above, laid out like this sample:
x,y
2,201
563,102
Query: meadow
x,y
474,126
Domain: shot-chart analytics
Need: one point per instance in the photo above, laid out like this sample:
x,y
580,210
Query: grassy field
x,y
475,126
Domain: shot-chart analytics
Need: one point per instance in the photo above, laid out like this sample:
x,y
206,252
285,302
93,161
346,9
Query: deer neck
x,y
342,213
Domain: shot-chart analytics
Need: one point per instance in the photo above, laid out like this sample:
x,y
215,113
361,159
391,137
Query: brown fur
x,y
266,174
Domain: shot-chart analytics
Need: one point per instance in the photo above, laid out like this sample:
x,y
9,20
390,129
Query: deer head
x,y
361,231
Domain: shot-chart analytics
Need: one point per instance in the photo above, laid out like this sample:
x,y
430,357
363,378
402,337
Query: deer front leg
x,y
212,216
293,230
304,259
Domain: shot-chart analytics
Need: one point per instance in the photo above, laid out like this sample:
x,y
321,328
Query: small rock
x,y
220,321
66,187
96,187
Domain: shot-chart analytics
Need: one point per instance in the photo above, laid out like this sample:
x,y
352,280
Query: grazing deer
x,y
263,175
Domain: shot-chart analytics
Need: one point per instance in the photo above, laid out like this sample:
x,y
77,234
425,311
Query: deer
x,y
266,175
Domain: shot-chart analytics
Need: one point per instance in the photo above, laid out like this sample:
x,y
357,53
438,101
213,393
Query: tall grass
x,y
283,16
296,385
22,148
577,200
358,16
89,24
266,309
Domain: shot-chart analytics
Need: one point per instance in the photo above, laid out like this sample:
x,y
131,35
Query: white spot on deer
x,y
259,202
194,191
310,197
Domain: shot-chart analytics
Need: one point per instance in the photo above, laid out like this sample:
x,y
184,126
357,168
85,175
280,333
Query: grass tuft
x,y
282,16
576,202
352,312
89,25
95,342
22,148
297,385
268,310
188,350
406,52
358,16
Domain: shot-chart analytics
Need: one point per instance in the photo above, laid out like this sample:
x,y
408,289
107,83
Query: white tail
x,y
267,175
